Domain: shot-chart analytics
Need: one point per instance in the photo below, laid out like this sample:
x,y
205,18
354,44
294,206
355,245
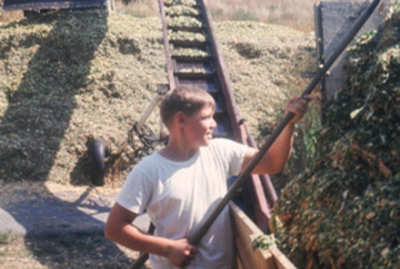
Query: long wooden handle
x,y
279,128
271,139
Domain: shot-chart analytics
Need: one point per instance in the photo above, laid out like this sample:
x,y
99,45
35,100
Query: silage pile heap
x,y
69,76
345,211
66,77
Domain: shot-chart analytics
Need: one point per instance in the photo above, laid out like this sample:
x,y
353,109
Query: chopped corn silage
x,y
344,212
264,62
68,77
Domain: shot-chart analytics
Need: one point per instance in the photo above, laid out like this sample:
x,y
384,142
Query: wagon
x,y
31,7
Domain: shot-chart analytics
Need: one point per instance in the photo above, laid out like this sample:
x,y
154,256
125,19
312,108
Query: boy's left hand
x,y
298,106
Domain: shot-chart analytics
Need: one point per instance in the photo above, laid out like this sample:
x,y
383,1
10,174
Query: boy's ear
x,y
180,119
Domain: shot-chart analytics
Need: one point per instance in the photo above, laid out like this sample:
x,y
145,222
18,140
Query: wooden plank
x,y
244,259
245,232
281,261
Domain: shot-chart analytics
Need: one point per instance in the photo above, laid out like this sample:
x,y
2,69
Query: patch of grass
x,y
139,9
244,15
295,14
136,13
6,238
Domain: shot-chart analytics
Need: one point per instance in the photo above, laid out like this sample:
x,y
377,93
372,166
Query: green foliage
x,y
344,211
264,241
310,127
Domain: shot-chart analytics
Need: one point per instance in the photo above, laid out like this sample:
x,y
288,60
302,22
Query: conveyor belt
x,y
193,58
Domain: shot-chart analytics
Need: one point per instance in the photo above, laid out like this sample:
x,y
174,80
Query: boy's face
x,y
200,126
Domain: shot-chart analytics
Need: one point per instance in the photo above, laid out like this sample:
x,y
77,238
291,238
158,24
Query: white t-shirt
x,y
179,196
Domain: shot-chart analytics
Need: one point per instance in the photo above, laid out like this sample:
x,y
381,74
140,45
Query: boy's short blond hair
x,y
187,99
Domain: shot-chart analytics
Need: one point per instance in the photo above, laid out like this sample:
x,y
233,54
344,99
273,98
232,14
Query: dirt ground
x,y
85,249
72,251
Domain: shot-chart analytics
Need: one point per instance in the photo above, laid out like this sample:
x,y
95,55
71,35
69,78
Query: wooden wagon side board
x,y
51,4
244,233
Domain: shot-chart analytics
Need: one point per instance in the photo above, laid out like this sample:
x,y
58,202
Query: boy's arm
x,y
278,154
119,229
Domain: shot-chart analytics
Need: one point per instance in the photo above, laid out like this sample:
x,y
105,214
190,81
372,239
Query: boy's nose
x,y
213,123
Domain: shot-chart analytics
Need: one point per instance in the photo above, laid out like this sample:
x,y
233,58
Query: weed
x,y
310,128
6,238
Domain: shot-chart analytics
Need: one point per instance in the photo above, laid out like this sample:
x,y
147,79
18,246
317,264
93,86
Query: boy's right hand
x,y
181,253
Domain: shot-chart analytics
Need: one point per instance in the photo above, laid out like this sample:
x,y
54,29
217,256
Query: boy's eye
x,y
208,116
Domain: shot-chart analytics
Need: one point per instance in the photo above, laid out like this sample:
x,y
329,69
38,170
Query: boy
x,y
182,183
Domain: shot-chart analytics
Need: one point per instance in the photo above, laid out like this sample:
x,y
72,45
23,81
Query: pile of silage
x,y
264,62
67,77
70,76
345,212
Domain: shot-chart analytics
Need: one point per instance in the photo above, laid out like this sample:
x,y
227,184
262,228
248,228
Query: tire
x,y
97,159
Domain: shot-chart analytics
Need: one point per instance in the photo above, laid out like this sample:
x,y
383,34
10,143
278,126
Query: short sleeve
x,y
136,191
232,153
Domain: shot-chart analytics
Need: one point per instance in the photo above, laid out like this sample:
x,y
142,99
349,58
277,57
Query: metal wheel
x,y
144,134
